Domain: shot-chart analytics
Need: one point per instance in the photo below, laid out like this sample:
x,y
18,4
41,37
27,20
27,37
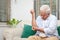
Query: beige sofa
x,y
15,33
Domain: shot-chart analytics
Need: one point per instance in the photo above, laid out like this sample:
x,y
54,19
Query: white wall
x,y
21,9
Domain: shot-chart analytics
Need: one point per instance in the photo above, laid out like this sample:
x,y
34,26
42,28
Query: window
x,y
54,5
4,10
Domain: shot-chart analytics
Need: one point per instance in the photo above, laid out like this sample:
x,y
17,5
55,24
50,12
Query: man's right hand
x,y
32,12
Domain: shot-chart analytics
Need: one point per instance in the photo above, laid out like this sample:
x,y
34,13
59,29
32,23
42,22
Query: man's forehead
x,y
42,10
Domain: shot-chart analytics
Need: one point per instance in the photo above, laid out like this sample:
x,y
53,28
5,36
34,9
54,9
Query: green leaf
x,y
14,22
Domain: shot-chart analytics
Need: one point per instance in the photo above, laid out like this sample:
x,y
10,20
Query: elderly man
x,y
45,25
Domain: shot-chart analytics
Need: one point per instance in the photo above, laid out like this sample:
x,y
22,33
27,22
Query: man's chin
x,y
44,18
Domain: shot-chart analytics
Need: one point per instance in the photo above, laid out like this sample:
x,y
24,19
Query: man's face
x,y
44,15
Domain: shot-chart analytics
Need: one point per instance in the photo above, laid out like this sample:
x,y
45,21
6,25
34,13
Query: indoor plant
x,y
13,22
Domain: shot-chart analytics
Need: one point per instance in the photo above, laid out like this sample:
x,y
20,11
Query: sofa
x,y
15,33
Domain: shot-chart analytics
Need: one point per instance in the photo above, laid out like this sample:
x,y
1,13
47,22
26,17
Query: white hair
x,y
45,8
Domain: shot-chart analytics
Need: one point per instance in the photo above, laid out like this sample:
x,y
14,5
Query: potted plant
x,y
13,22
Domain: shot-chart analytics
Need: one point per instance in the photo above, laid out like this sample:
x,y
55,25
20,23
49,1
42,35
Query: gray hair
x,y
45,8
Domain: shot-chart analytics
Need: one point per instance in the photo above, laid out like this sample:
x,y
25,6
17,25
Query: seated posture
x,y
45,25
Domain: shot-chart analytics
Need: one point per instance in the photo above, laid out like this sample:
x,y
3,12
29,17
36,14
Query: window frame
x,y
36,7
8,10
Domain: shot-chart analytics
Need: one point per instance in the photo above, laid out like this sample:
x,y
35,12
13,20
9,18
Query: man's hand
x,y
41,30
32,12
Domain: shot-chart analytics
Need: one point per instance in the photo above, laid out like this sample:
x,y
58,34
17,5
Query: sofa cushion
x,y
58,28
27,31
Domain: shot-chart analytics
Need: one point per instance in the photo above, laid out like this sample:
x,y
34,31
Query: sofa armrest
x,y
10,33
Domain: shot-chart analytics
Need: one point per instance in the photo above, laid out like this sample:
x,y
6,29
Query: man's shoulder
x,y
38,16
53,17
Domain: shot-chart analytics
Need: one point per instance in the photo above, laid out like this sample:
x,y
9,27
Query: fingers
x,y
32,11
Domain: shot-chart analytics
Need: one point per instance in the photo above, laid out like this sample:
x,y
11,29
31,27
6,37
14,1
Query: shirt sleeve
x,y
52,26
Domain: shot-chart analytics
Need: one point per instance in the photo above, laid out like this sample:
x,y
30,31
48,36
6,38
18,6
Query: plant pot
x,y
13,26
